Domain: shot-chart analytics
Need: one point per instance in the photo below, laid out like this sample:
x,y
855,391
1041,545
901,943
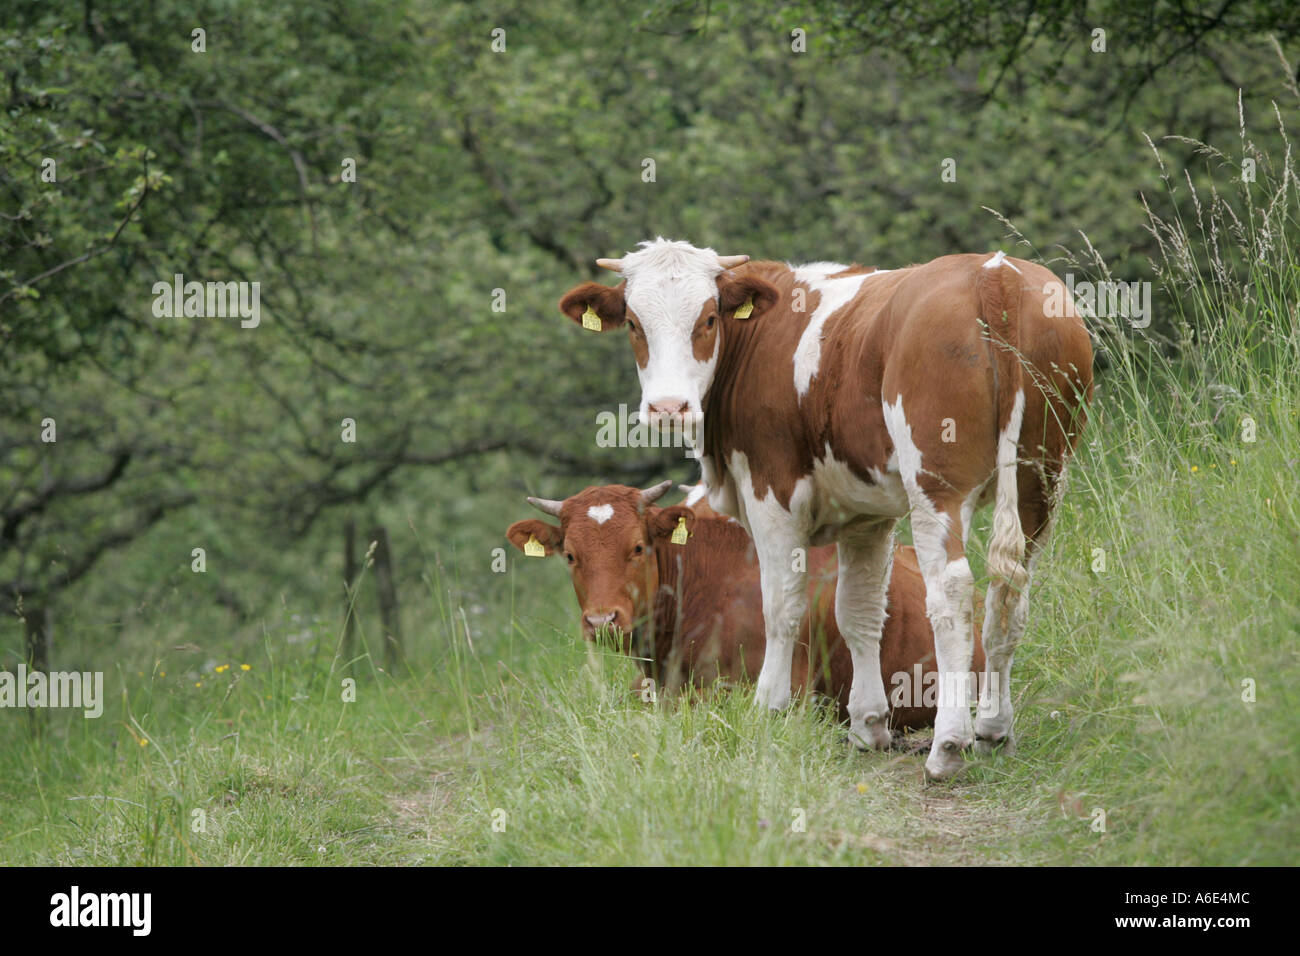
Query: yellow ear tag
x,y
590,320
533,548
746,310
680,534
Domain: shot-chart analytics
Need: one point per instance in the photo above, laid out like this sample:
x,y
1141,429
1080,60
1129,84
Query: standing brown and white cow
x,y
832,400
690,610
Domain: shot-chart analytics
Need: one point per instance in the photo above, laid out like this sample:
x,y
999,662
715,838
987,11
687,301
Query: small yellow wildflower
x,y
1195,469
1232,461
862,788
144,741
198,683
222,668
245,667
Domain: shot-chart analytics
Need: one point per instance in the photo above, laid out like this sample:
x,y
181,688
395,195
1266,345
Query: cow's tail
x,y
999,287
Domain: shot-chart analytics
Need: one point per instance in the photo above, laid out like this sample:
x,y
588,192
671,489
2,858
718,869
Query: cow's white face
x,y
672,313
674,300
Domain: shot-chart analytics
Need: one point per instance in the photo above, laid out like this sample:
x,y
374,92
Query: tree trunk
x,y
38,628
388,610
349,585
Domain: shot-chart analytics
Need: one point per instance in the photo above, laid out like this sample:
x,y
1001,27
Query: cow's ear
x,y
592,304
532,529
663,522
745,296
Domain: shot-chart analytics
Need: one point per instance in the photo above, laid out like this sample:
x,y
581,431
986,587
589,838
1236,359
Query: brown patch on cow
x,y
636,335
705,334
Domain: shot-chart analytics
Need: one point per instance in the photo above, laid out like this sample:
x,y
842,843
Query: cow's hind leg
x,y
865,557
937,535
1006,608
938,516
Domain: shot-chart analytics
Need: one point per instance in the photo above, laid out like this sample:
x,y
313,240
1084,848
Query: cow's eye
x,y
568,556
709,323
631,326
638,550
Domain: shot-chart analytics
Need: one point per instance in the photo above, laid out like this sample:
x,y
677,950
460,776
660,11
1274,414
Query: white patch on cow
x,y
668,284
835,294
600,513
776,531
696,494
907,456
841,496
1000,259
1007,543
721,489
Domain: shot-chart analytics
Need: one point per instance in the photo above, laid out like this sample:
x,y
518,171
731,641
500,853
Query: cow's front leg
x,y
783,571
865,557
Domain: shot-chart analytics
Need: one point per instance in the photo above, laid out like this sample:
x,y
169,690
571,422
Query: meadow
x,y
1156,689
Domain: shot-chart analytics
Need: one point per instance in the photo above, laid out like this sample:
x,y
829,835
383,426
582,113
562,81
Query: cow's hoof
x,y
945,760
1005,745
773,701
871,734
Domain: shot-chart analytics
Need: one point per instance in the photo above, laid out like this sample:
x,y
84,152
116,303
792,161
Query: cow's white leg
x,y
1005,613
785,602
781,542
949,599
1007,605
1006,610
865,558
938,534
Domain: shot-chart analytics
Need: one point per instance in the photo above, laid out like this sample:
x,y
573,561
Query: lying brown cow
x,y
706,623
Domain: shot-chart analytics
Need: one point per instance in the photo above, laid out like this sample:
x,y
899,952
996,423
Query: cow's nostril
x,y
669,408
598,620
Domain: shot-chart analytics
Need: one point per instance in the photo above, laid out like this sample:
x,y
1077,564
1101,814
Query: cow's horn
x,y
650,495
730,262
546,505
613,265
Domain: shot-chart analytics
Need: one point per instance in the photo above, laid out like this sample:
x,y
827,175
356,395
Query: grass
x,y
1156,696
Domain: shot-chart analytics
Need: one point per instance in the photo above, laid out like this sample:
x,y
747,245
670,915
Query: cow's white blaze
x,y
668,284
600,513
